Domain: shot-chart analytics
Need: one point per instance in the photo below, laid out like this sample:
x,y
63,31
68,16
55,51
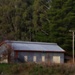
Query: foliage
x,y
38,20
37,69
61,15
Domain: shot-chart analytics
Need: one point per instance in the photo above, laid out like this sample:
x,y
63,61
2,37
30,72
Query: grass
x,y
37,69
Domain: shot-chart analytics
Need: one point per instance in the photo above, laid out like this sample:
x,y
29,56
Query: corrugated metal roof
x,y
34,46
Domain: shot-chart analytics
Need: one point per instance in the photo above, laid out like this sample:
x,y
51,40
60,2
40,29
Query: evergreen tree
x,y
40,8
61,15
38,20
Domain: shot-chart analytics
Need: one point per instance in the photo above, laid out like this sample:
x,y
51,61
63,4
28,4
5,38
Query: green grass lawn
x,y
36,69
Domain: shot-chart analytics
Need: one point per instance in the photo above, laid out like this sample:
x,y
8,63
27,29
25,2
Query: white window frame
x,y
26,58
43,58
34,58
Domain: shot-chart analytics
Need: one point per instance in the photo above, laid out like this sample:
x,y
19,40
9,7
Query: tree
x,y
61,15
40,22
6,53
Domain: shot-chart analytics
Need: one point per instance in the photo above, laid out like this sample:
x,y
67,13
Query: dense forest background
x,y
38,20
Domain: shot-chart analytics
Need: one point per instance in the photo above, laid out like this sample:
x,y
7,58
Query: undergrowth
x,y
37,69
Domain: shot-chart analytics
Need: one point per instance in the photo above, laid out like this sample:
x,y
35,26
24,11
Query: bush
x,y
37,69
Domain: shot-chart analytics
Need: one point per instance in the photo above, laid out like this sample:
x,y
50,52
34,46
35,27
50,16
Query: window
x,y
34,58
43,58
25,58
56,59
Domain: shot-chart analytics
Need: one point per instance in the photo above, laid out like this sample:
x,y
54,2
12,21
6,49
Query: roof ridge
x,y
35,46
30,42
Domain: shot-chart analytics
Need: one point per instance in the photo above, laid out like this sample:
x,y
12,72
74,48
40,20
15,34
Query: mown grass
x,y
37,69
